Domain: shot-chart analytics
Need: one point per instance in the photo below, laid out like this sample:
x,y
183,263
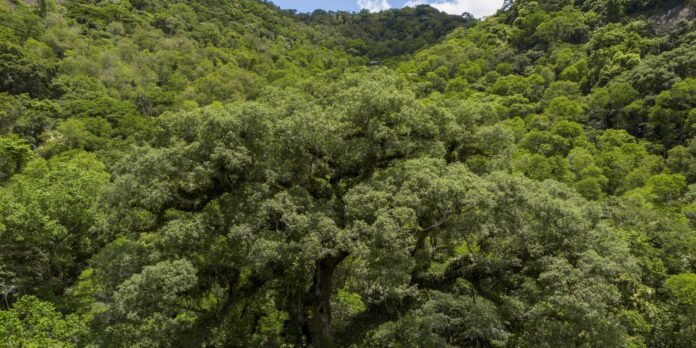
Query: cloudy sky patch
x,y
374,5
479,8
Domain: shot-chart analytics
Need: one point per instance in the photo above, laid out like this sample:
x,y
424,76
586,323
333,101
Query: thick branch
x,y
319,300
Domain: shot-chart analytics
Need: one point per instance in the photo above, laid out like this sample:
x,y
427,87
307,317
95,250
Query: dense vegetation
x,y
221,173
386,34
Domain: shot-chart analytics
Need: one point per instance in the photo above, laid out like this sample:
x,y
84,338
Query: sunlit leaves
x,y
34,323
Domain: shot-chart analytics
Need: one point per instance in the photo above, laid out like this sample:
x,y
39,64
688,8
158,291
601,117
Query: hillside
x,y
223,173
387,34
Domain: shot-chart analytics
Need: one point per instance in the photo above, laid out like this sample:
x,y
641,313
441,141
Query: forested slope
x,y
222,173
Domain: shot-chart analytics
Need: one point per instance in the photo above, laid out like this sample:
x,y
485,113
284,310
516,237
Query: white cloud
x,y
478,8
374,5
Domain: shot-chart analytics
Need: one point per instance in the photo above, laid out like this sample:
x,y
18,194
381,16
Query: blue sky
x,y
478,8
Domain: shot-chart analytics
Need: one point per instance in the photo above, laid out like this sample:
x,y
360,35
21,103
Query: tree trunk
x,y
319,302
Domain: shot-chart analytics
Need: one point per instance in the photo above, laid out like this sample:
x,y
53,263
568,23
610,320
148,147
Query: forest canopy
x,y
224,173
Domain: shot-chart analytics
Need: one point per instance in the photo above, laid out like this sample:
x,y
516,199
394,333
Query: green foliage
x,y
671,119
228,174
46,222
387,34
666,187
35,323
26,65
149,304
683,287
14,153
